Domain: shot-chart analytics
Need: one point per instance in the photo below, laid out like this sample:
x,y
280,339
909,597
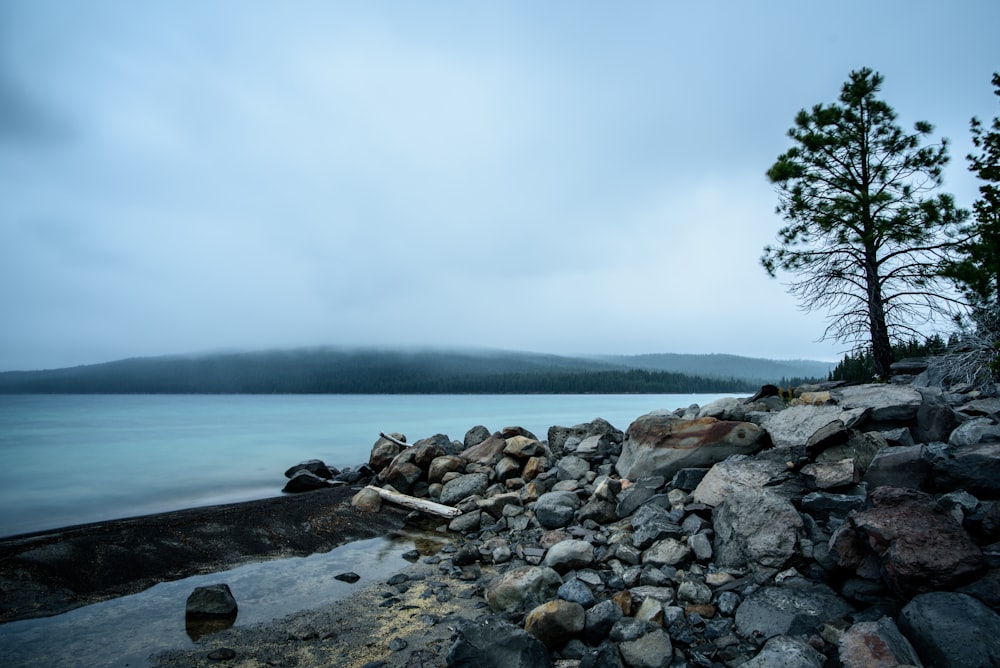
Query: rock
x,y
367,500
507,468
475,436
861,448
466,522
384,451
555,510
402,476
828,475
920,548
557,436
688,479
463,487
755,528
876,644
903,466
439,466
734,474
829,435
787,652
211,601
651,650
823,506
313,466
426,450
304,481
577,592
555,622
935,417
666,552
597,510
522,588
493,642
950,629
488,452
887,403
569,555
974,467
349,577
637,494
701,546
656,444
522,447
604,656
789,610
652,523
795,425
599,621
571,467
598,447
494,505
726,408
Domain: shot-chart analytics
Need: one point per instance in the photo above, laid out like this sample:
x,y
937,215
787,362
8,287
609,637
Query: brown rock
x,y
920,548
555,622
442,465
488,452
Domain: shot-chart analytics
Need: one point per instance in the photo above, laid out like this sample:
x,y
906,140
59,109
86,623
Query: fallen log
x,y
394,440
423,505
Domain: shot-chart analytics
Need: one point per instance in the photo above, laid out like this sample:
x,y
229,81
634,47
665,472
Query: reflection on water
x,y
127,630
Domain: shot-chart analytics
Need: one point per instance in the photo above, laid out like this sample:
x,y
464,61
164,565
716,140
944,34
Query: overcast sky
x,y
565,177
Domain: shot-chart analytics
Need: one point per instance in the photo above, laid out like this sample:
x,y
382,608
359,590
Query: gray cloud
x,y
538,177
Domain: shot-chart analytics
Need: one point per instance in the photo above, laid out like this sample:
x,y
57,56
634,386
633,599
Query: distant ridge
x,y
420,371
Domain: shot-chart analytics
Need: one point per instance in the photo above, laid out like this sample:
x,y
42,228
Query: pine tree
x,y
864,233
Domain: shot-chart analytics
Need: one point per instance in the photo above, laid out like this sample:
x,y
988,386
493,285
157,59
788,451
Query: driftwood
x,y
394,440
413,502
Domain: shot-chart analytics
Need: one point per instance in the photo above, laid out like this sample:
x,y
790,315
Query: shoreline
x,y
41,574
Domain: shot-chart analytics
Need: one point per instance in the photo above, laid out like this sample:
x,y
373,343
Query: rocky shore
x,y
847,526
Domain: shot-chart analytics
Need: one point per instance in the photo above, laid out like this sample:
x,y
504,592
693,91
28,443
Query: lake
x,y
73,459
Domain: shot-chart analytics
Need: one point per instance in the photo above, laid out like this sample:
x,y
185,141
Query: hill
x,y
373,371
724,366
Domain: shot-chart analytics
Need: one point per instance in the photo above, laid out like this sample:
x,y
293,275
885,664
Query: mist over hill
x,y
424,371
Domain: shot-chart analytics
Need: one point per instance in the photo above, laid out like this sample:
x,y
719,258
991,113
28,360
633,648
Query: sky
x,y
560,177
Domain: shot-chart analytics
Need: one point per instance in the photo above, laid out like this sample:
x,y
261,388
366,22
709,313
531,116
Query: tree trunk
x,y
881,345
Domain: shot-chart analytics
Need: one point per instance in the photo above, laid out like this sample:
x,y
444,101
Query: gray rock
x,y
734,474
701,545
830,475
604,656
876,644
599,621
973,467
726,408
384,451
304,481
657,444
211,601
795,425
950,629
555,510
569,555
401,475
935,418
652,523
756,529
463,487
468,521
475,436
798,610
824,506
522,588
571,467
688,479
666,552
787,652
557,436
313,466
902,466
493,642
888,403
577,592
651,650
598,510
597,447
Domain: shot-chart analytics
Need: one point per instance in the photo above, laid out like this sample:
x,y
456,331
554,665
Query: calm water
x,y
71,459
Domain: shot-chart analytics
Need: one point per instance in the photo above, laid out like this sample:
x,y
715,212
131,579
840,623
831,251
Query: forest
x,y
332,371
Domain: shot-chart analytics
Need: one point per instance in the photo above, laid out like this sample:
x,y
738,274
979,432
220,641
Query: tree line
x,y
873,242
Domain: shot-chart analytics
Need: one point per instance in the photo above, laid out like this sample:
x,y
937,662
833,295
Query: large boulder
x,y
972,466
304,481
557,436
876,644
211,601
660,445
735,474
919,547
789,610
493,642
522,588
487,452
887,403
796,425
755,528
384,451
952,630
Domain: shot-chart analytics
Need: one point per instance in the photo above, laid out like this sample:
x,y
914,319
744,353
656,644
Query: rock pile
x,y
855,526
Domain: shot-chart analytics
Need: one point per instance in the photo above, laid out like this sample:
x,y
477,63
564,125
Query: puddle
x,y
126,631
